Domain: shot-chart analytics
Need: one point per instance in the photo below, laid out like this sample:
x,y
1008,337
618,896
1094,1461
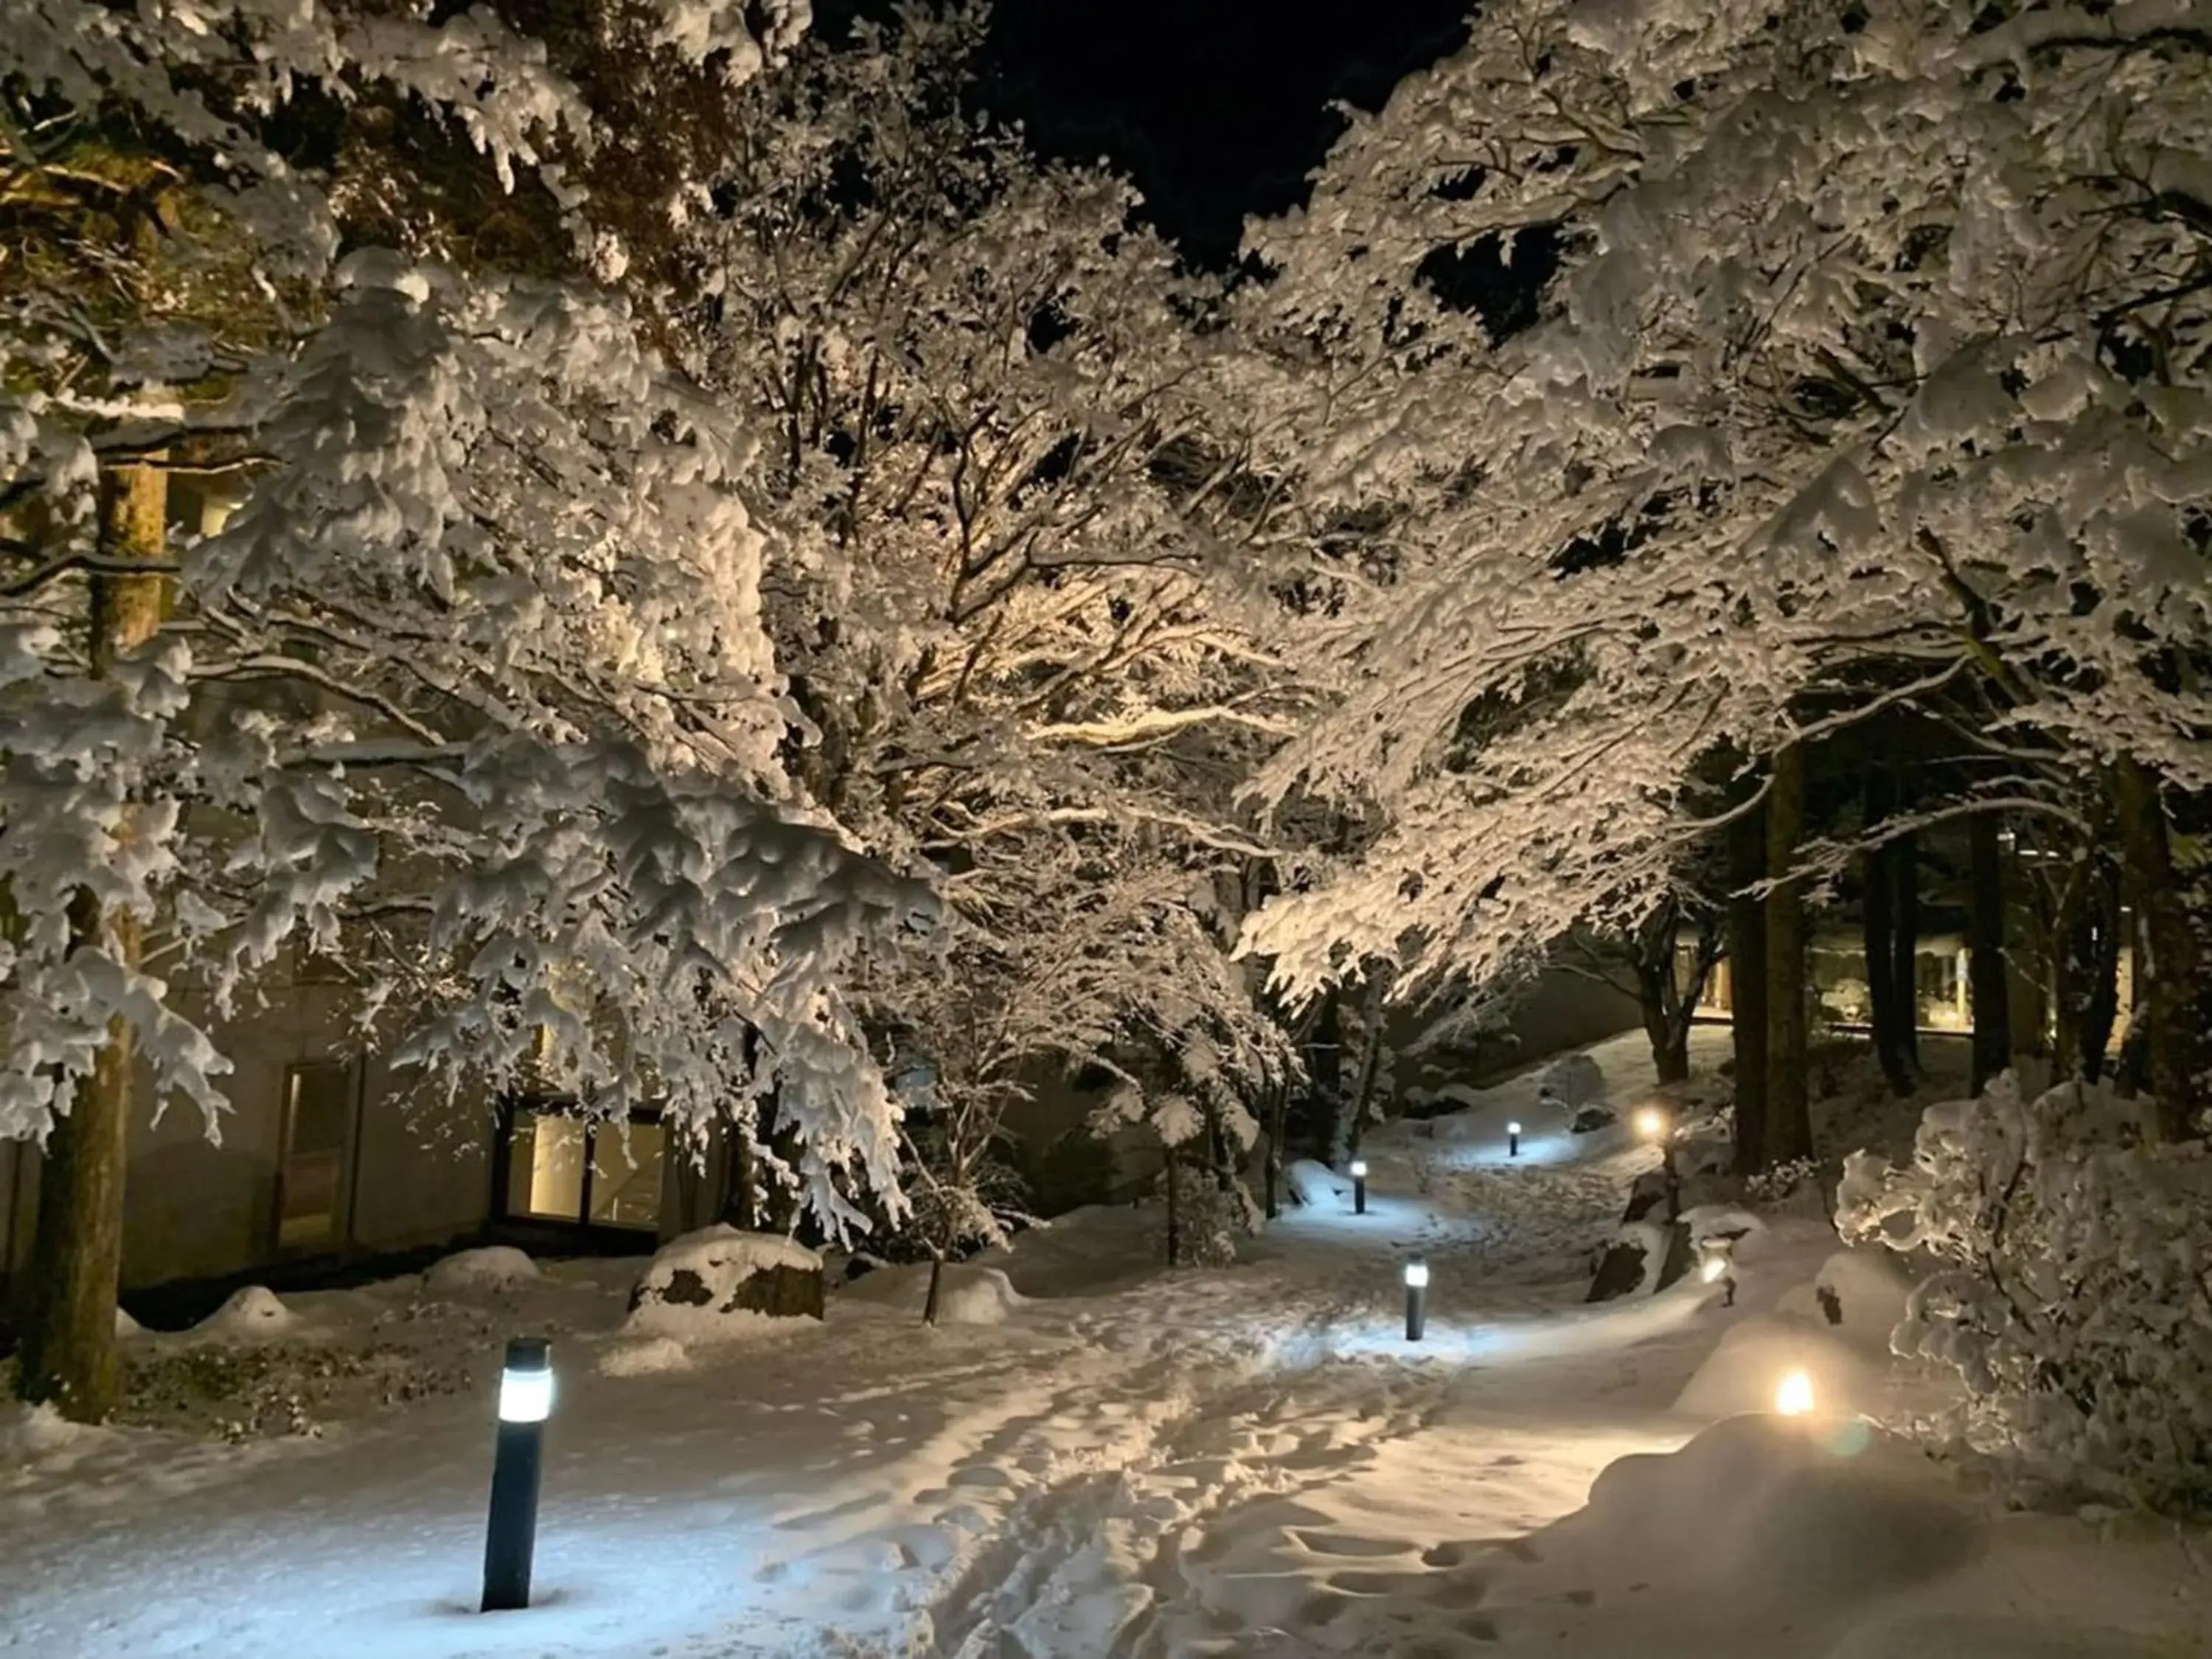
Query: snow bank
x,y
649,1357
969,1295
252,1315
717,1281
38,1434
1316,1186
1743,1371
1762,1512
495,1267
1860,1295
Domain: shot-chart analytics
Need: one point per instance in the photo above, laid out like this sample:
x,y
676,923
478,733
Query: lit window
x,y
564,1167
318,1114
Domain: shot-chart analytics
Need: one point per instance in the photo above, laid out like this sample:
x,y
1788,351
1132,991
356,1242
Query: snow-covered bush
x,y
2070,1289
1575,1078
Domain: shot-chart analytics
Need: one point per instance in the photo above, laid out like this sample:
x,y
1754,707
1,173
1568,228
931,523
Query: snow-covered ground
x,y
1107,1460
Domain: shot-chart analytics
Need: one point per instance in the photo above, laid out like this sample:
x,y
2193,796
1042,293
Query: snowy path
x,y
1250,1462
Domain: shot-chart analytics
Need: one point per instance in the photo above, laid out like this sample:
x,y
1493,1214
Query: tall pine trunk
x,y
1747,926
1889,1004
2100,939
1988,986
2176,1057
1789,1118
1904,857
68,1354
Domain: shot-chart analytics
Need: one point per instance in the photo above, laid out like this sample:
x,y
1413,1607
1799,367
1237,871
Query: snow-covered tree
x,y
480,648
2068,1285
1876,342
1018,584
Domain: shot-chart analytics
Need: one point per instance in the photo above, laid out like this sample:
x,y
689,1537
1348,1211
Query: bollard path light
x,y
1512,1141
1417,1298
1359,1186
1794,1398
526,1401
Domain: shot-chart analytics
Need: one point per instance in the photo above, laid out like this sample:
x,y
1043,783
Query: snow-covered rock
x,y
1758,1513
253,1313
1316,1185
714,1281
969,1295
1577,1080
475,1273
1588,1120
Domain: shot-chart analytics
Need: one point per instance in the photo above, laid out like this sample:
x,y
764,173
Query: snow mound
x,y
252,1315
127,1327
969,1295
1746,1368
1860,1295
33,1434
718,1281
1768,1512
1577,1080
1316,1185
1983,1636
653,1355
495,1267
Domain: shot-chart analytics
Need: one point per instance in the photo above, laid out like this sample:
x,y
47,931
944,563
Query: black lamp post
x,y
525,1400
1417,1298
1359,1186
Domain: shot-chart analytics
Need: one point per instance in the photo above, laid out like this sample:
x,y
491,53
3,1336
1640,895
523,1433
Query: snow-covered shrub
x,y
1779,1182
1210,1218
240,1392
2071,1289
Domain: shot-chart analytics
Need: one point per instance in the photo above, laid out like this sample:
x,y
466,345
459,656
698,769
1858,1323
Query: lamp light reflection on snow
x,y
1794,1398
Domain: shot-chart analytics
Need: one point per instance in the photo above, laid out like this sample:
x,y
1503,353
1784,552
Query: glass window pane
x,y
318,1112
626,1175
549,1167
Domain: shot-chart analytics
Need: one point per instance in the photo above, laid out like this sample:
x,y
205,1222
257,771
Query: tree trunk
x,y
1747,925
1905,946
1354,1115
1889,1004
68,1354
1788,1121
1656,996
1987,989
2175,1048
1175,1211
1278,1107
2101,940
936,1287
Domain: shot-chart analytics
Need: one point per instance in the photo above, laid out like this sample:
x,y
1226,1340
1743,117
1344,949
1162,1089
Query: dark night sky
x,y
1217,108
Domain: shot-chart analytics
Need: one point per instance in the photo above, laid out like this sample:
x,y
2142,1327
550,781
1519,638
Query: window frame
x,y
512,1108
340,1238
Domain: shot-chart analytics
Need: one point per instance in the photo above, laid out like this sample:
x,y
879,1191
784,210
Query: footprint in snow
x,y
1349,1545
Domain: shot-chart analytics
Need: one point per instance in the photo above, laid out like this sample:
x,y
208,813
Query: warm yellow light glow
x,y
1795,1397
1650,1122
1714,1268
